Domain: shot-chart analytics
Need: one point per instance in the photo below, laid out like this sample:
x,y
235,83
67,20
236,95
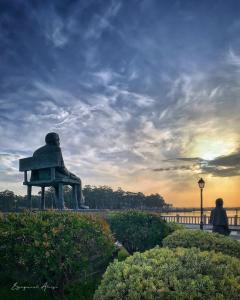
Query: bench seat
x,y
44,173
47,183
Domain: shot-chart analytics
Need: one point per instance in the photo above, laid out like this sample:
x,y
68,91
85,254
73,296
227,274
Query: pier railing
x,y
232,221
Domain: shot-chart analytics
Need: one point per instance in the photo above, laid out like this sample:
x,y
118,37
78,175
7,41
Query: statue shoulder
x,y
47,149
39,151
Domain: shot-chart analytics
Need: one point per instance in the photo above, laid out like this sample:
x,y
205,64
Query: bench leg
x,y
29,195
55,200
25,177
75,196
42,197
61,196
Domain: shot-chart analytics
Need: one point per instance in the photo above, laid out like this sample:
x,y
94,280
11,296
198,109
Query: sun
x,y
209,149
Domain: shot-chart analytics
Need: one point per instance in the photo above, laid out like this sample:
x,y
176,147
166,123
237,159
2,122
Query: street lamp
x,y
201,184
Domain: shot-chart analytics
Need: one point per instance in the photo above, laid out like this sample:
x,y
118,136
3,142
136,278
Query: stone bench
x,y
43,174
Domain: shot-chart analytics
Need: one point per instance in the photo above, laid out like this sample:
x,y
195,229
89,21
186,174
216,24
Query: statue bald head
x,y
52,138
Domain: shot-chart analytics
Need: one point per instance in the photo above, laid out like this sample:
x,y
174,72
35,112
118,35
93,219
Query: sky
x,y
143,93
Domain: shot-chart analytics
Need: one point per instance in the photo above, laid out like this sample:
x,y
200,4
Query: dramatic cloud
x,y
128,85
173,168
225,166
222,166
232,160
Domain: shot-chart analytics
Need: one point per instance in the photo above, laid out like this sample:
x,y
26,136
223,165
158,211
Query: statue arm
x,y
64,170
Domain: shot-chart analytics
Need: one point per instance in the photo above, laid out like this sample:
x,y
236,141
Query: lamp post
x,y
201,184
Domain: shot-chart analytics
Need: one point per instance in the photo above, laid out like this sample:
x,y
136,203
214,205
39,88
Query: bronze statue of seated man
x,y
52,147
48,169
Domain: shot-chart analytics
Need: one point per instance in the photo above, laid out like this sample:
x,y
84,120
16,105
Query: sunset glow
x,y
209,149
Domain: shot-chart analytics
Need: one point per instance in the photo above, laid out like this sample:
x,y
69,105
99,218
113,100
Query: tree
x,y
7,200
102,197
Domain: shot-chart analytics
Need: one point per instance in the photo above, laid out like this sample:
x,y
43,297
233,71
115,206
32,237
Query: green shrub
x,y
8,294
61,248
136,230
175,226
188,238
122,254
162,273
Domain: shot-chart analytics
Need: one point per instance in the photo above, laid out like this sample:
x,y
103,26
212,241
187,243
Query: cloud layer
x,y
129,86
222,166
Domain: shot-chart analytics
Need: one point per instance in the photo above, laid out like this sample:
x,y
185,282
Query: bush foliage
x,y
122,254
61,248
175,226
138,231
180,273
204,240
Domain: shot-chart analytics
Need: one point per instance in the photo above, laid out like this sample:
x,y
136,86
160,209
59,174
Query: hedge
x,y
66,250
203,240
137,230
177,274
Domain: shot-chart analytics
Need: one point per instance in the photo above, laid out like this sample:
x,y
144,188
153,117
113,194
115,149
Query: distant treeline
x,y
102,197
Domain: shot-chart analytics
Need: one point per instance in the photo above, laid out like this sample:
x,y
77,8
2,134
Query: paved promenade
x,y
235,230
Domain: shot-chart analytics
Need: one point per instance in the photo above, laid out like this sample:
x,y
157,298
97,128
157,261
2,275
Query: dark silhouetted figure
x,y
52,147
218,218
48,169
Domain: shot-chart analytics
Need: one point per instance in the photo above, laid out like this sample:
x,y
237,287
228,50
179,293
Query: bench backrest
x,y
39,162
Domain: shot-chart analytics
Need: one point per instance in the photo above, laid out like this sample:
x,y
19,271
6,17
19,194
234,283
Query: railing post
x,y
204,219
177,218
235,220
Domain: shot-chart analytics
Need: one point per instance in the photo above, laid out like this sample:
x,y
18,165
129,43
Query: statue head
x,y
52,138
219,202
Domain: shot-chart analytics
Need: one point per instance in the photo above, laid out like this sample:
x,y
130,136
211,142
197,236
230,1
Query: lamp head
x,y
201,183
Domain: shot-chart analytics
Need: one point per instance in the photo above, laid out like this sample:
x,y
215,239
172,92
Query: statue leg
x,y
75,196
80,194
